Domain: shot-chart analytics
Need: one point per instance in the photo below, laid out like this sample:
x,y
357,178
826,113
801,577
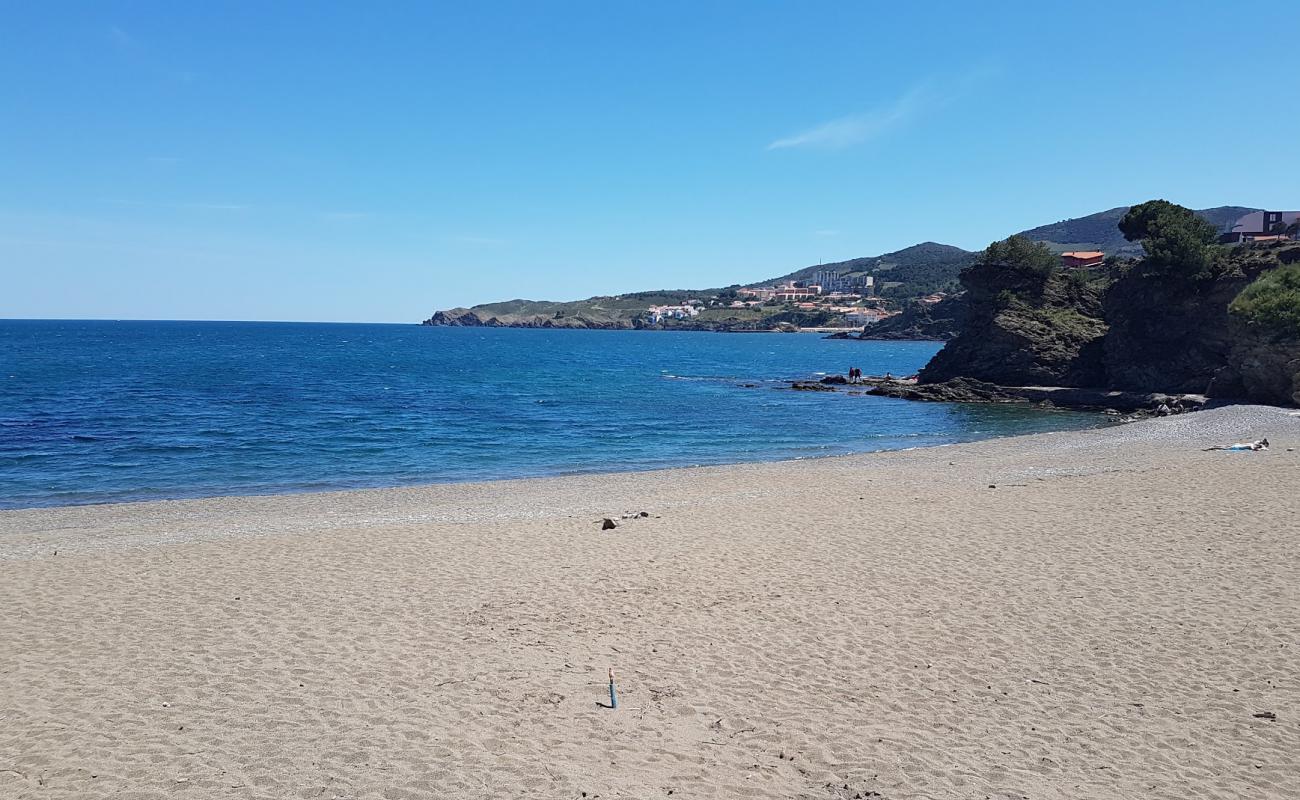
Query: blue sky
x,y
377,161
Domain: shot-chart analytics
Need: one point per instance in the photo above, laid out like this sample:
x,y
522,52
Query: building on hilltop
x,y
1263,226
833,282
1082,258
791,292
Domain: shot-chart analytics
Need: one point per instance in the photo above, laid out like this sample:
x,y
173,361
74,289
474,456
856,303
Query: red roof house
x,y
1082,258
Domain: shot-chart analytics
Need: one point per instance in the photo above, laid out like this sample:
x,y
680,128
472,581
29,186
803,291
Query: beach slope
x,y
1097,614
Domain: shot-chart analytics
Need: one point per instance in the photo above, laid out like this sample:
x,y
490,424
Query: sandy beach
x,y
1101,614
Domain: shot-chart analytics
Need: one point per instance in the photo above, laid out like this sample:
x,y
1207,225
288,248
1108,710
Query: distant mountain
x,y
917,270
1100,231
929,267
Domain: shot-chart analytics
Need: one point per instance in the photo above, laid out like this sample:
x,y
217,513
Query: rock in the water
x,y
957,390
807,386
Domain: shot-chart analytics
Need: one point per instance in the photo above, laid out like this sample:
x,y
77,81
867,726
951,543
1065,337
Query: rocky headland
x,y
1189,318
471,318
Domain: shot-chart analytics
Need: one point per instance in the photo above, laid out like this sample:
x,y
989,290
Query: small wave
x,y
713,378
169,448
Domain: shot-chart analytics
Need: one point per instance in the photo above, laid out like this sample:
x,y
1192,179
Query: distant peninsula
x,y
908,294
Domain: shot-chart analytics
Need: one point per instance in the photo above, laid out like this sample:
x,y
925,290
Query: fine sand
x,y
1116,619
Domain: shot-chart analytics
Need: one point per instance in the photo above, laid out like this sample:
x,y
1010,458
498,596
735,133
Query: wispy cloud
x,y
868,125
857,128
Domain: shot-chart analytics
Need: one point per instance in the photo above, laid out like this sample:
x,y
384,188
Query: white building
x,y
833,282
658,314
864,317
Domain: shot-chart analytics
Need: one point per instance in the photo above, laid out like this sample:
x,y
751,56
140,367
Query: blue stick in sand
x,y
613,696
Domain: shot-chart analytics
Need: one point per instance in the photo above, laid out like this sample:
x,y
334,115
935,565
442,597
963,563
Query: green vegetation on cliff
x,y
1264,363
1178,243
1272,303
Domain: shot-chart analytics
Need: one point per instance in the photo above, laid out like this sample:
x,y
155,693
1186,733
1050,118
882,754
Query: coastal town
x,y
840,300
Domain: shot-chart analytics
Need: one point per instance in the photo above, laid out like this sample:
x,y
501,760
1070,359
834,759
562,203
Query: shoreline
x,y
415,493
1098,613
596,471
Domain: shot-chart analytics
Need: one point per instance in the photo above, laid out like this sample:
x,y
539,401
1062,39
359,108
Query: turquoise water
x,y
94,412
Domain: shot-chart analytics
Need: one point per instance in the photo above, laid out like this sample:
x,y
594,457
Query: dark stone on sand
x,y
608,524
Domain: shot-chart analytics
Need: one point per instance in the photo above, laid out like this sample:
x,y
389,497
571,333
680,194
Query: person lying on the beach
x,y
1262,444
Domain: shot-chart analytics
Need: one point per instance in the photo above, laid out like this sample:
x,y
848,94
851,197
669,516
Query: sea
x,y
106,412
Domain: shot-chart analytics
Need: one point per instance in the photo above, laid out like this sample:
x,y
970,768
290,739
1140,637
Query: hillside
x,y
929,267
1100,232
911,272
900,277
619,311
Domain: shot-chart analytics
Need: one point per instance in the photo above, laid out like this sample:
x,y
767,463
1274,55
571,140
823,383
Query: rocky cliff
x,y
1264,325
1169,335
934,321
1190,317
1022,322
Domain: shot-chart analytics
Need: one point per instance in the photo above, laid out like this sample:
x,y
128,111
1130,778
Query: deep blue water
x,y
101,411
